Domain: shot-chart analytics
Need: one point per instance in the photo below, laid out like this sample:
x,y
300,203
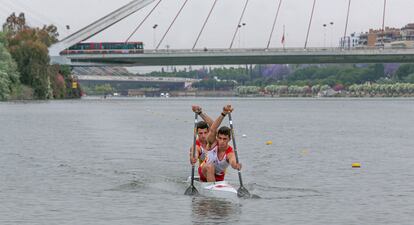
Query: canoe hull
x,y
220,189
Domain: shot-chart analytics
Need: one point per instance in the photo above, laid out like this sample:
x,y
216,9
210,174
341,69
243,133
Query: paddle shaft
x,y
235,148
194,148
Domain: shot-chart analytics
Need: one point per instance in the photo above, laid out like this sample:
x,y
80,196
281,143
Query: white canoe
x,y
220,189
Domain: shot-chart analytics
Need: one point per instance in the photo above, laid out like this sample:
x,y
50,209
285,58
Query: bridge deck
x,y
247,56
136,79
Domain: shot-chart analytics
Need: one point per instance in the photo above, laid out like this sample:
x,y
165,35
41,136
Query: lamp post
x,y
325,25
155,34
240,32
324,35
331,26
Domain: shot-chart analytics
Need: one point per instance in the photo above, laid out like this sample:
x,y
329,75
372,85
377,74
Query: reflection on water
x,y
209,210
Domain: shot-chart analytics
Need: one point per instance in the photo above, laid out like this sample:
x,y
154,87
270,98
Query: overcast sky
x,y
294,15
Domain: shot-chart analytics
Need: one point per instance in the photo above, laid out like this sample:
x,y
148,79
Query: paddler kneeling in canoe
x,y
219,153
202,129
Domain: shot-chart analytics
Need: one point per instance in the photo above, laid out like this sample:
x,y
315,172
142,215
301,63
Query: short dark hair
x,y
224,131
202,125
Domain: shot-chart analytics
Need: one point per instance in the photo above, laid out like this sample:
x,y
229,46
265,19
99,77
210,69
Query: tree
x,y
15,24
248,90
9,77
104,89
29,48
32,59
403,71
48,35
276,72
409,78
315,89
272,89
390,69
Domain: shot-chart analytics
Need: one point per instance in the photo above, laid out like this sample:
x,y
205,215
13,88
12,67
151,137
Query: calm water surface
x,y
125,161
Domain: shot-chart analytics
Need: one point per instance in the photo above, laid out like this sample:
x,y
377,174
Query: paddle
x,y
242,192
192,190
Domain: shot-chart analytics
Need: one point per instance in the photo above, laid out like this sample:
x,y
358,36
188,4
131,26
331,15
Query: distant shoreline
x,y
244,97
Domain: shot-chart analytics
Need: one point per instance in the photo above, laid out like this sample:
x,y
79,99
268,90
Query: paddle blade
x,y
255,196
242,192
191,191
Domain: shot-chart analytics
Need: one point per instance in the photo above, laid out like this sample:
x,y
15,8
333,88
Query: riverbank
x,y
329,94
206,94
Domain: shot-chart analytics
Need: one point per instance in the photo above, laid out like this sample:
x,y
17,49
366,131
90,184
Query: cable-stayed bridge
x,y
230,55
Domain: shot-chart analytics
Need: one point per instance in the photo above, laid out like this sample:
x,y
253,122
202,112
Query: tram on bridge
x,y
105,48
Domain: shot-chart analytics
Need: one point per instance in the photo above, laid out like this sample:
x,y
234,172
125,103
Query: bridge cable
x,y
383,23
31,14
310,23
142,22
172,23
274,24
239,24
346,25
205,22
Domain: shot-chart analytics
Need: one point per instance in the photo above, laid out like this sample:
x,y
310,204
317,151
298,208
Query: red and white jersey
x,y
220,165
204,151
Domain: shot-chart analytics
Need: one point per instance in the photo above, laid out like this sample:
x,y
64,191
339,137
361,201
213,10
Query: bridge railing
x,y
136,78
281,50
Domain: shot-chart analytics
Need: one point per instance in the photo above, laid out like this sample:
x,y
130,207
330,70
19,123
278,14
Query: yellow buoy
x,y
356,165
305,152
269,142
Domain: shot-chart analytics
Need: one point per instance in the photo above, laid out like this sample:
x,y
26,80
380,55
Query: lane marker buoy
x,y
305,152
356,165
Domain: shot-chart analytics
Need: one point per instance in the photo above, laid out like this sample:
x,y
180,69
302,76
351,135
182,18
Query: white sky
x,y
259,16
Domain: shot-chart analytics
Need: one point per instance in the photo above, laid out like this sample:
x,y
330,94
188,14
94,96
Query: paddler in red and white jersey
x,y
220,154
202,133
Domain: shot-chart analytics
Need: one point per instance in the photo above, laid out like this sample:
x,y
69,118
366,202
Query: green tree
x,y
409,78
403,71
104,89
29,48
248,90
33,61
9,77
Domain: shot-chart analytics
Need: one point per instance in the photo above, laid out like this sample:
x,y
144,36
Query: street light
x,y
240,34
155,37
325,25
324,35
331,23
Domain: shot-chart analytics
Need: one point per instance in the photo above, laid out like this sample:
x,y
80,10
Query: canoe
x,y
220,189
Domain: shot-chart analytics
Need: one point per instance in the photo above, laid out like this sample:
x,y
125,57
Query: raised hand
x,y
227,109
196,109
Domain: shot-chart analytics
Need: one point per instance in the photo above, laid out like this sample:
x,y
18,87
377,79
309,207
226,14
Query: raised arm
x,y
197,109
211,138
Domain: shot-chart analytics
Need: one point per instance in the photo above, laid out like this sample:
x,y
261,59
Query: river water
x,y
125,161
